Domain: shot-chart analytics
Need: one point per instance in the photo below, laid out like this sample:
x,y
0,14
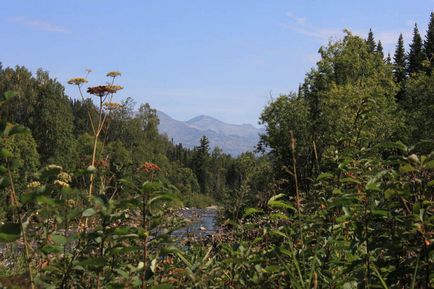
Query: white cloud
x,y
388,38
303,26
38,24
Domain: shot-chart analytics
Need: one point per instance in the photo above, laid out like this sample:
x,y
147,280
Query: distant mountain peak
x,y
202,117
231,138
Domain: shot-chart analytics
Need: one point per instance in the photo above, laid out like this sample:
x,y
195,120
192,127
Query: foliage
x,y
335,201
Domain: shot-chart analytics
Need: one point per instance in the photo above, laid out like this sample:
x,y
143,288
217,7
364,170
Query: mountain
x,y
231,138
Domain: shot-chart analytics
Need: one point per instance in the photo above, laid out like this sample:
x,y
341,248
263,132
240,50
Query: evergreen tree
x,y
53,126
429,43
371,41
399,61
416,55
380,49
388,59
200,164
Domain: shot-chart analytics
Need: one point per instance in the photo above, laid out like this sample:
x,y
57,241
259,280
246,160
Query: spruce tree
x,y
399,61
380,49
429,43
200,164
388,59
416,55
371,41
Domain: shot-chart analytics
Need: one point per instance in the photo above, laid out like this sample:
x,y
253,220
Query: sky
x,y
222,58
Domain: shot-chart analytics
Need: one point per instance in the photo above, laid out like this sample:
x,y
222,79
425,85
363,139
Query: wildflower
x,y
34,185
65,177
113,88
71,203
52,167
61,184
112,105
102,163
102,90
77,81
148,167
113,74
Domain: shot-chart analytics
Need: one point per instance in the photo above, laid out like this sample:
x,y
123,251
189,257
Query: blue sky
x,y
222,58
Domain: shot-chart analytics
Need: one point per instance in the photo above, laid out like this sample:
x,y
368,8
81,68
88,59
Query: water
x,y
199,223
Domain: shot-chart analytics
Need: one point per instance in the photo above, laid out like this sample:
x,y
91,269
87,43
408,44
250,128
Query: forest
x,y
338,194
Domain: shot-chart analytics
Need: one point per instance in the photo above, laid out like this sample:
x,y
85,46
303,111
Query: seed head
x,y
102,90
77,81
113,74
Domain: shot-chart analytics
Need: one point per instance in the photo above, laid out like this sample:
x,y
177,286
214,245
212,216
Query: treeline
x,y
61,133
349,175
353,100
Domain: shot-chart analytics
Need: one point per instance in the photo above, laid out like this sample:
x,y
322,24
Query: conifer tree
x,y
200,164
388,59
380,49
399,61
416,55
53,123
371,41
429,43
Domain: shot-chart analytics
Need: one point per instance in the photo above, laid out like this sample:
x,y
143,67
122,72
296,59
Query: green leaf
x,y
10,232
4,153
50,249
44,200
89,212
275,203
373,186
149,187
380,212
280,204
337,192
323,176
406,169
278,233
429,165
59,239
276,197
96,262
162,286
431,183
278,216
165,197
350,180
400,145
251,211
389,193
7,95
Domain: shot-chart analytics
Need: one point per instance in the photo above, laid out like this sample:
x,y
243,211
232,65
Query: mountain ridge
x,y
233,139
